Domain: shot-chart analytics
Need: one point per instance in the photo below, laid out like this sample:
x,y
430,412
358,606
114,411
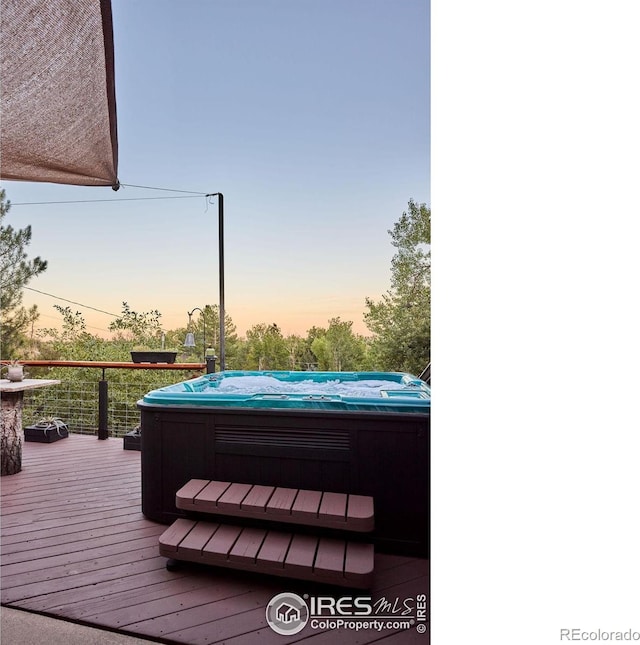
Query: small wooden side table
x,y
11,431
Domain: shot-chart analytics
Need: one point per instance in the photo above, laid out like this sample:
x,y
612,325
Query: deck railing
x,y
98,406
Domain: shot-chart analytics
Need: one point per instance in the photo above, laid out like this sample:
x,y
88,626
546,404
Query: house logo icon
x,y
287,614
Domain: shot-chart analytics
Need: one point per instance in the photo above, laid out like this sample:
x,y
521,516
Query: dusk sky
x,y
312,118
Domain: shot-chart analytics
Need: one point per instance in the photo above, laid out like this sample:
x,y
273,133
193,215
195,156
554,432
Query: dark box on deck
x,y
132,440
46,433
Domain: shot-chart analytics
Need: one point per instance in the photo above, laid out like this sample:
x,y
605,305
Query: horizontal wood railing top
x,y
112,364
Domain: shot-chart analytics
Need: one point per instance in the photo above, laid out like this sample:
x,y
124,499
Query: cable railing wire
x,y
76,403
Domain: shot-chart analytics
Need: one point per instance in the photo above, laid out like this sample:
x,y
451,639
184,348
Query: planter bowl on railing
x,y
154,357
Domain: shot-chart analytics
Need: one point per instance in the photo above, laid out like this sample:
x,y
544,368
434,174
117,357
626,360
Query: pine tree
x,y
15,272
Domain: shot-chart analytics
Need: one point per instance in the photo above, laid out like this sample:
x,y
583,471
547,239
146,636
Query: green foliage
x,y
15,272
301,357
140,328
266,348
72,342
338,349
401,321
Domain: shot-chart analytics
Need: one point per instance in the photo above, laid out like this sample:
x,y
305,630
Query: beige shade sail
x,y
57,92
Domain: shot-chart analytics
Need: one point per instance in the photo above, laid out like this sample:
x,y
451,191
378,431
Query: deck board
x,y
333,506
281,501
75,545
258,498
247,546
307,503
301,554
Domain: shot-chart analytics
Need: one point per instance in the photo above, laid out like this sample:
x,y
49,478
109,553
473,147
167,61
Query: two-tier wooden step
x,y
291,505
306,557
277,552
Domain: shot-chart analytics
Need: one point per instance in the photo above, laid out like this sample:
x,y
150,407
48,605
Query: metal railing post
x,y
103,408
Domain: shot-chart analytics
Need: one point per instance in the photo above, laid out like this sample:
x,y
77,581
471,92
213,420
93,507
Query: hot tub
x,y
364,433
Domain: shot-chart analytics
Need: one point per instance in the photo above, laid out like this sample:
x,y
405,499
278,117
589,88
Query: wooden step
x,y
291,505
306,557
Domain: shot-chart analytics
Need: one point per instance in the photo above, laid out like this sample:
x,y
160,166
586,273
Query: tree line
x,y
399,323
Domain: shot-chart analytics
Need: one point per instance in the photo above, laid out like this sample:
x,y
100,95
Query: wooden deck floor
x,y
76,546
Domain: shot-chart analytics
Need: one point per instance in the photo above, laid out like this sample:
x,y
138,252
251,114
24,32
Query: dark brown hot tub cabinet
x,y
381,454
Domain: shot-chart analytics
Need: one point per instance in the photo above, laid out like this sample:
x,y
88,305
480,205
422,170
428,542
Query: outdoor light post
x,y
190,340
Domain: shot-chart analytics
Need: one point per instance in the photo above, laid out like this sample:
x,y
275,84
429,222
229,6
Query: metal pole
x,y
220,197
221,273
